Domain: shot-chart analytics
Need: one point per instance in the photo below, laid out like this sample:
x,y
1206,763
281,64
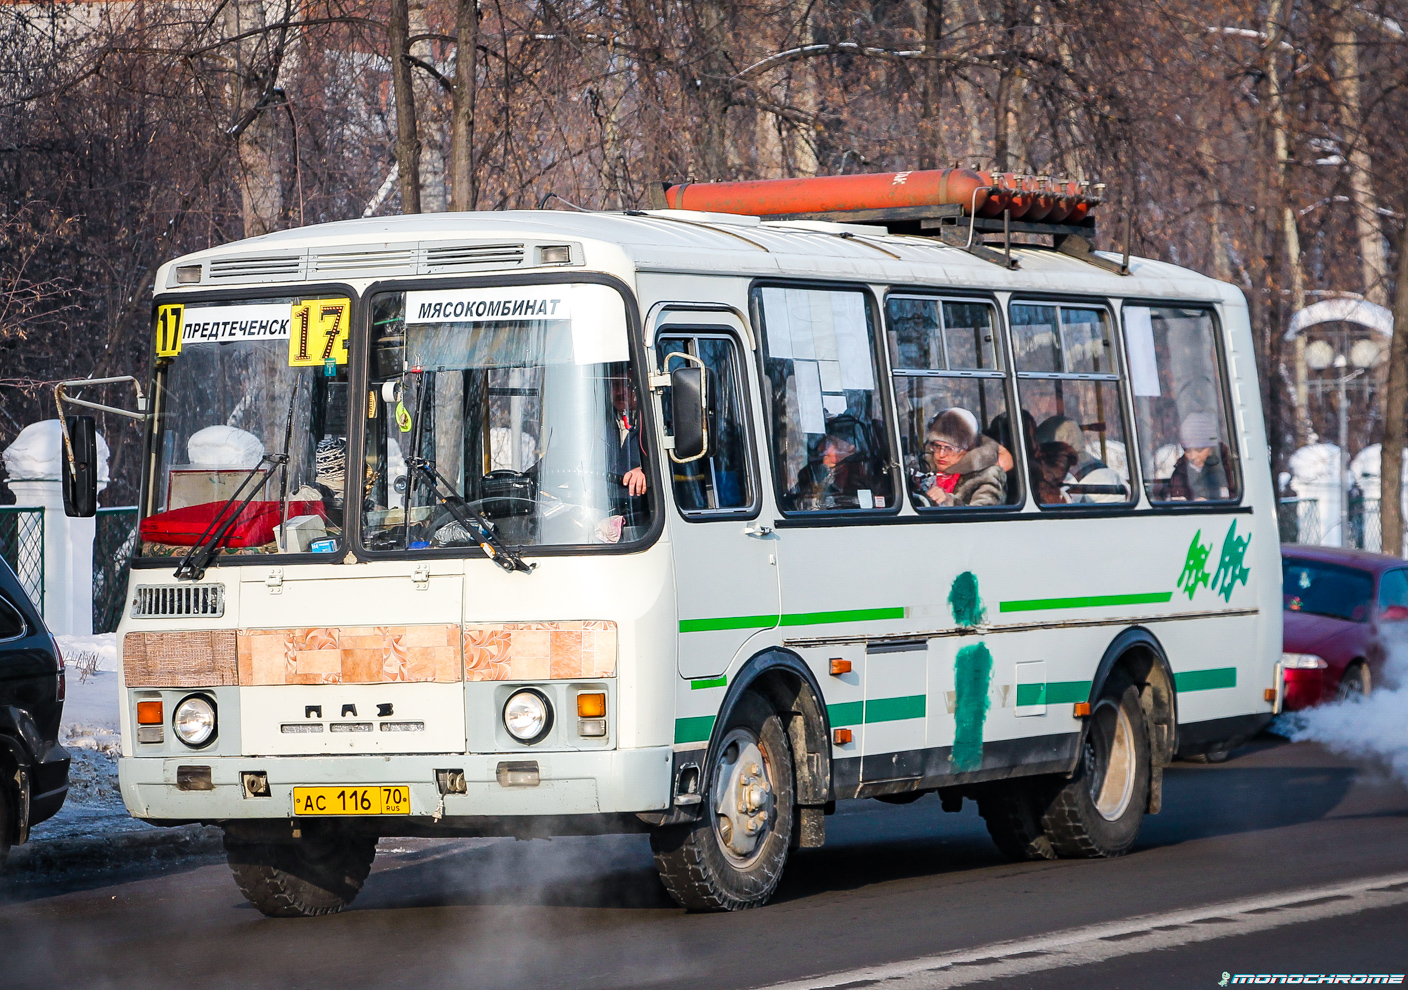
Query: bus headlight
x,y
194,720
527,716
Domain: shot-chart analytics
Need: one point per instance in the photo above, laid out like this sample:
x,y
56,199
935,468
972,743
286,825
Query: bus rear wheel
x,y
319,874
732,857
1013,811
1099,811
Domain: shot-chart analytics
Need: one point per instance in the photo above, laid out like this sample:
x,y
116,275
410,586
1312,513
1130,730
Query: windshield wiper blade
x,y
198,558
474,524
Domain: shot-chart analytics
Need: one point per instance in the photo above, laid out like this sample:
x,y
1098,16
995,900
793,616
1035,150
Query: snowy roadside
x,y
93,829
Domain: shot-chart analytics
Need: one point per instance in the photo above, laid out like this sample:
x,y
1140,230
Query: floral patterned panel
x,y
349,655
535,651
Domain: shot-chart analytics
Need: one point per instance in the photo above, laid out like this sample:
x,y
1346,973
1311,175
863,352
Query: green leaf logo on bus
x,y
1231,568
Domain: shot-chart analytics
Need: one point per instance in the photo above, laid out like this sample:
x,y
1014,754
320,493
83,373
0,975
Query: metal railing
x,y
22,547
114,540
1299,520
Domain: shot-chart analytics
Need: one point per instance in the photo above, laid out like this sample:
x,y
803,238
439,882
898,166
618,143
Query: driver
x,y
626,457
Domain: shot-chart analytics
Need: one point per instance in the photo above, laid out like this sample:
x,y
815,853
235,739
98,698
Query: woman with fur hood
x,y
959,466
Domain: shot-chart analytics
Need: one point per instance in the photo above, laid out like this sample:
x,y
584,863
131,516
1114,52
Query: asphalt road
x,y
892,885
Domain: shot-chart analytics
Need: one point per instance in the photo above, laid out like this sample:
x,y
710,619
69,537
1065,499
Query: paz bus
x,y
690,521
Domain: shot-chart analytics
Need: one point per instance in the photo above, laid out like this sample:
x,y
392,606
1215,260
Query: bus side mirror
x,y
689,405
81,476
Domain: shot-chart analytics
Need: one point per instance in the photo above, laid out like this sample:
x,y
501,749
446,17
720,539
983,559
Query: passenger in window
x,y
626,458
1063,429
1088,471
838,471
960,465
1053,465
1000,429
1200,473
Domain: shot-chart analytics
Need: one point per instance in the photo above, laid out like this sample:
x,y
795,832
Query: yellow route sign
x,y
168,329
318,333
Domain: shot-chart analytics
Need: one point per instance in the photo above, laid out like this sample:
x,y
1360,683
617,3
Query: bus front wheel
x,y
732,857
1099,811
320,873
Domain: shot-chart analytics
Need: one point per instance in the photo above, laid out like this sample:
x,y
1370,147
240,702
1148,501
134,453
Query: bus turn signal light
x,y
1269,694
839,667
842,736
591,705
149,713
1082,709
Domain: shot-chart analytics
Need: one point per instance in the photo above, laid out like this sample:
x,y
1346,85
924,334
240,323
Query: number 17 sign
x,y
318,333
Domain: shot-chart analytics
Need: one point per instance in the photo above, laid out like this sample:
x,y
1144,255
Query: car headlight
x,y
527,716
1302,661
194,720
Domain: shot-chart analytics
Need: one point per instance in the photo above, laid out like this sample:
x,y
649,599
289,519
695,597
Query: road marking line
x,y
1108,940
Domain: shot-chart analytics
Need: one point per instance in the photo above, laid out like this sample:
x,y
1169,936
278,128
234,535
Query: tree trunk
x,y
259,147
462,109
930,152
1361,167
407,140
1395,413
431,120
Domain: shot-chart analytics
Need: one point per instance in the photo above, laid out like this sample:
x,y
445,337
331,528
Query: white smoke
x,y
1375,727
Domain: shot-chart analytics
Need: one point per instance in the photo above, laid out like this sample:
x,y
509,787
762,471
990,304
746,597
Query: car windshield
x,y
515,404
1326,589
239,383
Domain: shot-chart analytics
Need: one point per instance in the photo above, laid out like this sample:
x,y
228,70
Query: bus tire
x,y
1013,811
1099,811
732,857
318,874
7,824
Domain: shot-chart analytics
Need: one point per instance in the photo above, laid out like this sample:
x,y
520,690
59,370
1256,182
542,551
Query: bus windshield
x,y
238,391
516,403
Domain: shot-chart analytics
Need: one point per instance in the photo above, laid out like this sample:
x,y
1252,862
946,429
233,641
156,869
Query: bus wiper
x,y
198,558
473,523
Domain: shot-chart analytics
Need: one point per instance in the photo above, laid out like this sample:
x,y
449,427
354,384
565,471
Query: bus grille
x,y
256,269
471,256
159,600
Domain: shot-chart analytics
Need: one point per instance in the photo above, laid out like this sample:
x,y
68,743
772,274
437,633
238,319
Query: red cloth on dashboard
x,y
254,527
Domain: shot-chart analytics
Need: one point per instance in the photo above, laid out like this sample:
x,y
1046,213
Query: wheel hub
x,y
743,791
1110,760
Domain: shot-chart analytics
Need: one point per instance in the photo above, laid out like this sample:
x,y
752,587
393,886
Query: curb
x,y
125,849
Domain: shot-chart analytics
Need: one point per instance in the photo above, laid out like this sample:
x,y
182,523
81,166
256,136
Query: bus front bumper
x,y
495,785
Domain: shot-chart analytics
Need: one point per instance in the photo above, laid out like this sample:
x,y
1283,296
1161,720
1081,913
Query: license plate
x,y
382,799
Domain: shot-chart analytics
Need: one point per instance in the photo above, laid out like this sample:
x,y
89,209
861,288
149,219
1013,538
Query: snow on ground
x,y
89,732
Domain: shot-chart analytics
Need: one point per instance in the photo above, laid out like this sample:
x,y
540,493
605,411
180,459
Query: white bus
x,y
693,524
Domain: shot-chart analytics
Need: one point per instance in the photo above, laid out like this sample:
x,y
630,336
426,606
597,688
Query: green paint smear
x,y
963,600
698,729
971,677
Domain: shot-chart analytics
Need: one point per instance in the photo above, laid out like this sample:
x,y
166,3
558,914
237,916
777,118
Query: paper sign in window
x,y
809,401
1139,346
852,340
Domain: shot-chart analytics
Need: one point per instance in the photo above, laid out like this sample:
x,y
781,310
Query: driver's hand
x,y
634,480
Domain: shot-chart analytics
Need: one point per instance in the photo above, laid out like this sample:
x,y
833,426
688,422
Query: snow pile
x,y
37,453
224,447
76,649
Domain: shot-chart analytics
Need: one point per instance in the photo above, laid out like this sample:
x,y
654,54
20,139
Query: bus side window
x,y
721,480
830,446
1176,377
951,393
1068,384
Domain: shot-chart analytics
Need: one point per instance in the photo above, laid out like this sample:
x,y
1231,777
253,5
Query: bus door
x,y
725,563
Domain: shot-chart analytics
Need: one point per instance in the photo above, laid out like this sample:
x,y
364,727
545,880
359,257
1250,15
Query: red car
x,y
1340,607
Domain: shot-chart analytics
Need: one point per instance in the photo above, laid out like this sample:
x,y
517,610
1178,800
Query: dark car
x,y
33,766
1342,611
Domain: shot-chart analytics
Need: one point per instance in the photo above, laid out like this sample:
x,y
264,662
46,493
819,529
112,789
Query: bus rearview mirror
x,y
80,481
689,402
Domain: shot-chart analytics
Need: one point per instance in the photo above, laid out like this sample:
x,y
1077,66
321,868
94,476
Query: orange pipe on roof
x,y
822,194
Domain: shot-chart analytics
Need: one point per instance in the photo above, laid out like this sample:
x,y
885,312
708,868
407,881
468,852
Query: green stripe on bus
x,y
1031,694
790,619
1067,692
697,729
894,709
729,622
1206,680
848,615
846,713
1087,601
708,682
